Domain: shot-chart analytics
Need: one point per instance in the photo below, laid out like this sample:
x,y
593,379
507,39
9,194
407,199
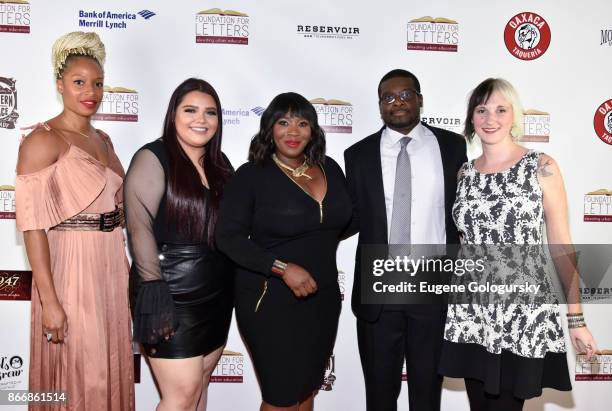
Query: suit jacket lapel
x,y
375,186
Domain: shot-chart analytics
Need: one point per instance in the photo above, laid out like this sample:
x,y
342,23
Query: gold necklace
x,y
295,172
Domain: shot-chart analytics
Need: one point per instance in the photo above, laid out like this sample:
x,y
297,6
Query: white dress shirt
x,y
427,213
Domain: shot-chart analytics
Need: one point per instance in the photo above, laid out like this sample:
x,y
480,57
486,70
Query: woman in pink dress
x,y
68,199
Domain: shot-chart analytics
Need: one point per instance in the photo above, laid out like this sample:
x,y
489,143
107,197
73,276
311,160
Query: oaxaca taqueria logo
x,y
230,368
222,26
598,368
15,285
537,126
7,202
598,206
118,104
433,34
603,122
335,116
14,16
8,103
527,36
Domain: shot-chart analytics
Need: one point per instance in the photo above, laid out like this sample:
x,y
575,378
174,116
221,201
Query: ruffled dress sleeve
x,y
47,197
154,311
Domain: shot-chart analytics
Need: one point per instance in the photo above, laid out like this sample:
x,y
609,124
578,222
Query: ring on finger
x,y
49,336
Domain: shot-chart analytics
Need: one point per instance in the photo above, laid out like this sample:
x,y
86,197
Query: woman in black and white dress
x,y
508,352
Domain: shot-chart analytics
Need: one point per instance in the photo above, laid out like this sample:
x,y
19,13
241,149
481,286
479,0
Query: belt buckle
x,y
107,221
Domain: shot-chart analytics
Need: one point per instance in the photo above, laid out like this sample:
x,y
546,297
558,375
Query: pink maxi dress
x,y
94,365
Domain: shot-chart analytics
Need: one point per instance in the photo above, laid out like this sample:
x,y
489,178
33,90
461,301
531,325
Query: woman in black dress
x,y
184,299
281,218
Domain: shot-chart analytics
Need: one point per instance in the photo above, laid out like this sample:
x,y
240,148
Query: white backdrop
x,y
271,47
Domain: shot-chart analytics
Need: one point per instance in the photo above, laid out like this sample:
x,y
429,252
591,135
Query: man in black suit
x,y
402,180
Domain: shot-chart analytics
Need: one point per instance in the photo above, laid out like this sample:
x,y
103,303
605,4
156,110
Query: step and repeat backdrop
x,y
556,53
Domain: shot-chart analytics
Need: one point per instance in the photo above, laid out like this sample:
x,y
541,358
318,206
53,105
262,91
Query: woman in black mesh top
x,y
183,306
281,218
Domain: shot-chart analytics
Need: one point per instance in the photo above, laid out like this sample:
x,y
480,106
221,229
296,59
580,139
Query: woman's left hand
x,y
583,341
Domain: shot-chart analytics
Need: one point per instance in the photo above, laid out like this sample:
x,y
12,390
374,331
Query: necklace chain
x,y
295,172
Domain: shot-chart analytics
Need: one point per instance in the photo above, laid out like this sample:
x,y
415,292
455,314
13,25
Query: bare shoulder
x,y
105,138
547,166
39,149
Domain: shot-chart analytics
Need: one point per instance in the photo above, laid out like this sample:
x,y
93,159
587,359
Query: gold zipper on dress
x,y
265,289
309,195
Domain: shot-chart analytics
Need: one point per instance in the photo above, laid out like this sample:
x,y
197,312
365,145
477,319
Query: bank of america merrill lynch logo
x,y
146,14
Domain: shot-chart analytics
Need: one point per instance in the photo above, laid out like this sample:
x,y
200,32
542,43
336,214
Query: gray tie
x,y
402,203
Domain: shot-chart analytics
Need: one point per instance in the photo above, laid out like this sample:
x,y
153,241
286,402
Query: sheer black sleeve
x,y
154,316
235,221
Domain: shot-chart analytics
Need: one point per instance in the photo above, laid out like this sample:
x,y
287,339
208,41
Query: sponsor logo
x,y
146,14
7,202
606,37
330,374
433,34
327,32
14,16
118,104
453,124
335,116
222,27
341,283
15,285
598,368
230,368
598,206
231,117
8,103
603,122
537,126
258,110
109,19
11,372
527,36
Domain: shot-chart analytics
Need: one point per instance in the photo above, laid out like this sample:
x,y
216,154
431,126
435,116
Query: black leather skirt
x,y
201,284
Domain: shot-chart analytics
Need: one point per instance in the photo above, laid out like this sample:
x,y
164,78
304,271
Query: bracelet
x,y
279,267
575,320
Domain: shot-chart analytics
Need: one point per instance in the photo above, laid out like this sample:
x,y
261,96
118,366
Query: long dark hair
x,y
186,207
294,105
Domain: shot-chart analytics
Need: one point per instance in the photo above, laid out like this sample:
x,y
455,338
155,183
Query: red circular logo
x,y
527,36
603,122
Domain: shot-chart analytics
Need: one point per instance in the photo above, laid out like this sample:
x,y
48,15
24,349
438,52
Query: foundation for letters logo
x,y
14,16
230,368
598,206
118,104
335,116
222,27
598,368
433,34
7,202
537,126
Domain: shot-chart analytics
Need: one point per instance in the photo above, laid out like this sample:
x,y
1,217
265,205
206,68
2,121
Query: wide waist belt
x,y
93,222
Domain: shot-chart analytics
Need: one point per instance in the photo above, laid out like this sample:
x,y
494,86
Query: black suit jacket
x,y
365,184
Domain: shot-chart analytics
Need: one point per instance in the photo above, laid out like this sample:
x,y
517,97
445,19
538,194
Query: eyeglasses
x,y
403,95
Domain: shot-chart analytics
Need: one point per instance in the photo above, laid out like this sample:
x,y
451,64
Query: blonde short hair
x,y
76,43
481,94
